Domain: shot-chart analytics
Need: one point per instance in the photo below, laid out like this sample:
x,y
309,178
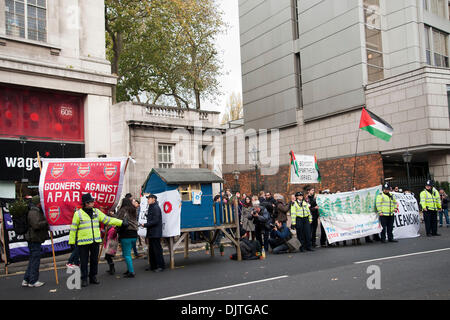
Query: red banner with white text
x,y
63,182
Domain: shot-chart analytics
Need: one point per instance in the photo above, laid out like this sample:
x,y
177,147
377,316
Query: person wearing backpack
x,y
37,233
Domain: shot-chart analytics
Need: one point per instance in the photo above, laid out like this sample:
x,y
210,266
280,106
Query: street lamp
x,y
407,157
236,174
254,154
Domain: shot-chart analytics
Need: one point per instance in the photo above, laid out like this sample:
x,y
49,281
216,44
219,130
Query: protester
x,y
261,219
430,202
314,209
36,234
444,210
128,235
154,234
281,209
85,233
137,205
279,236
247,218
301,221
111,244
249,248
386,206
262,196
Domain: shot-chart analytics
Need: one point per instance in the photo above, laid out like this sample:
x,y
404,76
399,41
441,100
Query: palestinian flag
x,y
376,126
319,178
294,163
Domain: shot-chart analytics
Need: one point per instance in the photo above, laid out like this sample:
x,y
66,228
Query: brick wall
x,y
336,176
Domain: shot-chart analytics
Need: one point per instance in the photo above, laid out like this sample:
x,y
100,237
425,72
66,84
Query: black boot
x,y
111,270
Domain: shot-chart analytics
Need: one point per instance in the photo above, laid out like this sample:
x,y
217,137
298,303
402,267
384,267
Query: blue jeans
x,y
75,256
445,213
127,244
32,273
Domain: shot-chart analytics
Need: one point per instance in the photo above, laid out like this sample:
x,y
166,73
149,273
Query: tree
x,y
234,109
163,49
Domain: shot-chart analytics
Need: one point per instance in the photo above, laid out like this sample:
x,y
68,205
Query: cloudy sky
x,y
229,45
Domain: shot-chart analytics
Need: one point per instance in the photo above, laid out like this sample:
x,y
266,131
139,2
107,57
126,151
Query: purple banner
x,y
17,247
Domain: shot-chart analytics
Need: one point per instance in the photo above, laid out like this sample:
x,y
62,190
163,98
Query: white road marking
x,y
403,255
223,288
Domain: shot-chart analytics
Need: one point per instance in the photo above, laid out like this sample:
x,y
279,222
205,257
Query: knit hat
x,y
36,200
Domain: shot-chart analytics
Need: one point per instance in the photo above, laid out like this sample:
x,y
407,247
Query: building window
x,y
436,47
448,99
438,7
374,47
298,80
26,19
165,156
295,21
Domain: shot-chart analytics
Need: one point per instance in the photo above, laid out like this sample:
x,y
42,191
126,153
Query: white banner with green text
x,y
349,215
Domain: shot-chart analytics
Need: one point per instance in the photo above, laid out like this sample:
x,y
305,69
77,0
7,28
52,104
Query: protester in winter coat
x,y
111,245
281,208
278,237
247,217
128,235
154,234
261,219
37,233
444,210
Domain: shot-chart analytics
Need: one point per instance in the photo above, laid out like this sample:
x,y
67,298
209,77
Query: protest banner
x,y
64,181
303,170
170,204
349,215
407,218
16,246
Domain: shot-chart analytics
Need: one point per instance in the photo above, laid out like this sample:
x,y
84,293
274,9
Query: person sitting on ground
x,y
278,237
249,248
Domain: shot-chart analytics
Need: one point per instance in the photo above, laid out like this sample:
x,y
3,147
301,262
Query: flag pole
x,y
51,232
289,177
354,163
106,233
4,242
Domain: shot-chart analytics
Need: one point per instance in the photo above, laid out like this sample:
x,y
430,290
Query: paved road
x,y
327,273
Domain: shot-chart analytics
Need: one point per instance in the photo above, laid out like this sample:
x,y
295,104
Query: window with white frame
x,y
374,46
436,47
26,19
165,155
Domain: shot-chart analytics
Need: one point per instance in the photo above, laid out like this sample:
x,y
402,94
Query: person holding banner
x,y
430,202
386,207
37,234
85,233
301,221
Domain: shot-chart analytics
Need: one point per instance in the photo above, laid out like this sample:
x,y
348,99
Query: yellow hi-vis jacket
x,y
430,201
385,205
300,211
85,230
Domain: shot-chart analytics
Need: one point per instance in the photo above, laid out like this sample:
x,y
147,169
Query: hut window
x,y
186,191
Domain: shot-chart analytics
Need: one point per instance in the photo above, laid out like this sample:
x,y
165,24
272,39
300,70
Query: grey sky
x,y
228,44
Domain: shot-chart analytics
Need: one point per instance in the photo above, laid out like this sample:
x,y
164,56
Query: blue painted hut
x,y
194,217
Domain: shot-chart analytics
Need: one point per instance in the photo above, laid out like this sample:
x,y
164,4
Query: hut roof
x,y
185,176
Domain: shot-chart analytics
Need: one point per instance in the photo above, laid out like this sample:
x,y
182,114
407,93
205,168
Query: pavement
x,y
61,260
412,269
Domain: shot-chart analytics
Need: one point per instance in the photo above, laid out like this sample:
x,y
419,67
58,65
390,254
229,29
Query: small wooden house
x,y
205,216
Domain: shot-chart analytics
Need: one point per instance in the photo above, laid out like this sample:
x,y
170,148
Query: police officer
x,y
85,233
301,220
430,202
386,207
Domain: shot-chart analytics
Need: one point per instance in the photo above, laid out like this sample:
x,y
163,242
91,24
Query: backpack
x,y
20,223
